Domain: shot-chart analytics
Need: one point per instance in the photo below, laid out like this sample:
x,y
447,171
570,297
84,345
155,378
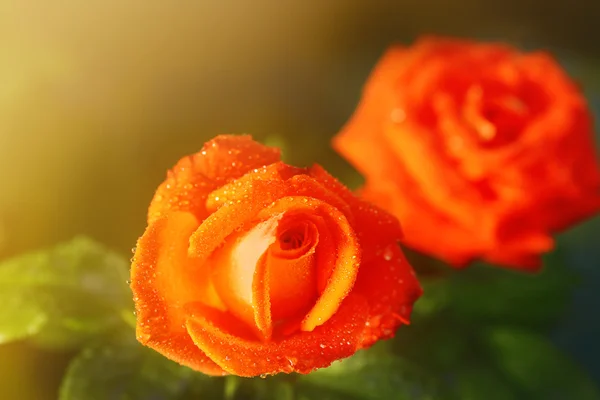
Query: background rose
x,y
250,266
483,151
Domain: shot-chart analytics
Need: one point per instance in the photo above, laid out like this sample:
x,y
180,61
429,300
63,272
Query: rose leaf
x,y
480,382
124,369
278,387
491,295
62,296
370,375
20,317
537,366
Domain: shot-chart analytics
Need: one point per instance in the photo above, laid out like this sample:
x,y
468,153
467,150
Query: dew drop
x,y
143,337
388,253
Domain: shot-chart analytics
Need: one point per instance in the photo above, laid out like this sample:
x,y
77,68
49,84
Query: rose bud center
x,y
270,271
499,113
495,119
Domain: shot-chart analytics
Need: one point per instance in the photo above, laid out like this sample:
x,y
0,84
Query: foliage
x,y
64,296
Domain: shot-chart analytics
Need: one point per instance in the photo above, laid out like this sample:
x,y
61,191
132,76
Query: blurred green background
x,y
99,98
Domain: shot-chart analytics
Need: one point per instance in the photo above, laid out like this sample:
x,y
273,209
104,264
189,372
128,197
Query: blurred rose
x,y
480,150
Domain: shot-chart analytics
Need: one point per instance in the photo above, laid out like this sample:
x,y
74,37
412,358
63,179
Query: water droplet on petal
x,y
388,253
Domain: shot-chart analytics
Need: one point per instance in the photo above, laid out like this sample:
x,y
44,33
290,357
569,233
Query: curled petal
x,y
302,352
260,279
222,159
292,272
235,269
347,250
308,186
238,189
163,280
385,278
261,298
232,216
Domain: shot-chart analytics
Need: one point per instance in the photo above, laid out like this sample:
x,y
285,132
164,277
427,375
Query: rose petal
x,y
292,276
222,159
347,250
385,277
232,216
235,268
261,299
437,179
303,352
306,185
236,190
163,280
255,278
390,286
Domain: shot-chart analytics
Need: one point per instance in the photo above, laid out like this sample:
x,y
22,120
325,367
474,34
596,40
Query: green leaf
x,y
19,317
483,294
436,344
123,370
435,299
62,296
481,382
369,375
536,365
492,295
277,387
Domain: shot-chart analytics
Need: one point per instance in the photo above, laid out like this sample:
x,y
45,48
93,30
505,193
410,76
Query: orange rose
x,y
481,151
250,266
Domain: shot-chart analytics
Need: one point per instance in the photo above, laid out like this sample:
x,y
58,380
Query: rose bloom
x,y
250,266
480,150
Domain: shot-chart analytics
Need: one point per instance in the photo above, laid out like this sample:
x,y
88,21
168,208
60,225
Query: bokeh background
x,y
99,97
